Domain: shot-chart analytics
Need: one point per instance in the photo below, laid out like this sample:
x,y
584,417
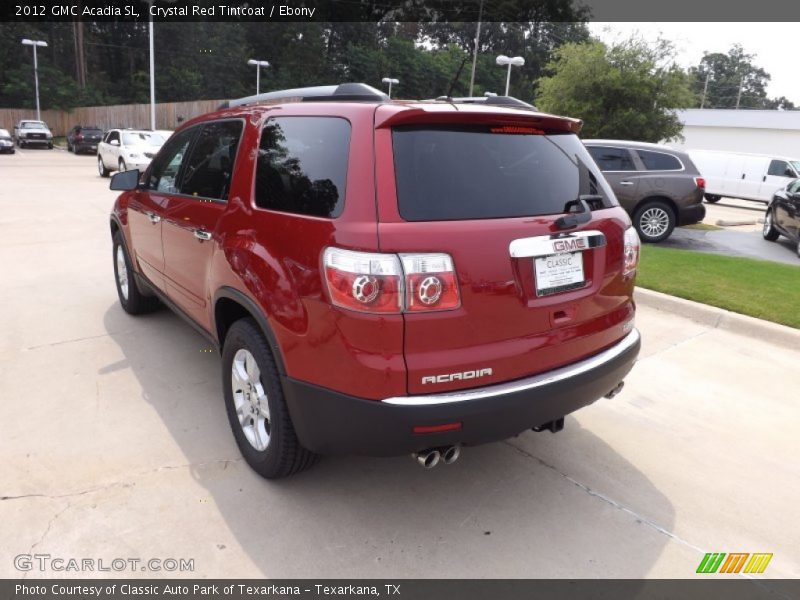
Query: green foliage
x,y
625,91
209,60
725,74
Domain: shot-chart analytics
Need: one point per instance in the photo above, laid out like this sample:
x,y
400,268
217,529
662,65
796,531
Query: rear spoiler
x,y
444,114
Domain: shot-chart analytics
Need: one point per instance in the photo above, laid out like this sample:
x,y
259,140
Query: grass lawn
x,y
758,288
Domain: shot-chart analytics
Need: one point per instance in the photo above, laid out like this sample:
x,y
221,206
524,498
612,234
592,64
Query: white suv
x,y
123,149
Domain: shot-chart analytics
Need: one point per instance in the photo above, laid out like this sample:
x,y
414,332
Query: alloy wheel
x,y
122,272
250,399
654,222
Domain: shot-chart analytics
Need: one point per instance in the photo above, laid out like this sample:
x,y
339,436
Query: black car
x,y
84,139
783,214
6,142
658,186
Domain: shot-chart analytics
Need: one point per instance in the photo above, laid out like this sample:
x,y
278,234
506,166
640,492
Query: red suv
x,y
385,277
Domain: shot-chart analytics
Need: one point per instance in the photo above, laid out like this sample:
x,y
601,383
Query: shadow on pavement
x,y
497,512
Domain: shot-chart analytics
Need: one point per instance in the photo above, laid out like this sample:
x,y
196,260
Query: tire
x,y
654,221
265,434
798,248
70,148
768,231
132,300
712,198
50,146
101,167
122,166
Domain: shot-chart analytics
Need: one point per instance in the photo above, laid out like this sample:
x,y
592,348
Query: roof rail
x,y
344,92
508,101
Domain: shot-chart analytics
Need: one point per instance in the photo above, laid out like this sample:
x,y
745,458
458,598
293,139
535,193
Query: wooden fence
x,y
135,116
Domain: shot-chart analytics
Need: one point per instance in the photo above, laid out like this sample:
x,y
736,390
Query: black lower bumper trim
x,y
329,422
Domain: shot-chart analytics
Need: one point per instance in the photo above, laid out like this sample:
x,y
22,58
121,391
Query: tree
x,y
626,91
734,81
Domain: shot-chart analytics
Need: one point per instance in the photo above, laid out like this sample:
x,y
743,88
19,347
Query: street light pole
x,y
35,43
475,50
504,60
390,81
152,78
258,64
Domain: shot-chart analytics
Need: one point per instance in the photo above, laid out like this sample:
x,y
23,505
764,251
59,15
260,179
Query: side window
x,y
167,164
612,159
209,167
112,135
302,165
779,168
658,161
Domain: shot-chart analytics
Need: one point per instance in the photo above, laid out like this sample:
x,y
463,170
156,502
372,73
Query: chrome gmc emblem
x,y
570,245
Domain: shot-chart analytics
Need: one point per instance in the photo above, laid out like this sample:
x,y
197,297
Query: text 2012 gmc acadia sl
x,y
385,277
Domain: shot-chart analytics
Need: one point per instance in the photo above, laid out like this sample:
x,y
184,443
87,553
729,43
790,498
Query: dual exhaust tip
x,y
431,457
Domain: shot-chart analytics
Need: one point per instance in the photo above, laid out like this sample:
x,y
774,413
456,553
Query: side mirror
x,y
790,173
114,142
125,181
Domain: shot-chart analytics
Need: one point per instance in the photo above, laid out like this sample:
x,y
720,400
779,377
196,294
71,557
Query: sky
x,y
772,43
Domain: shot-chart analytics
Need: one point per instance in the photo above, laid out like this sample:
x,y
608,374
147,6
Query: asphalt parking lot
x,y
741,235
115,443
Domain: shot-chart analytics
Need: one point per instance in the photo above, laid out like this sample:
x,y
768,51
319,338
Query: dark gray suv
x,y
657,185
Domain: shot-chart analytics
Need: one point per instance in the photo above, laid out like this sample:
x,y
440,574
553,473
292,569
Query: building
x,y
774,132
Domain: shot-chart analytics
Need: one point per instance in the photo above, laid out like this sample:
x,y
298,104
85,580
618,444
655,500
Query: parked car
x,y
657,185
379,276
746,176
783,215
84,139
29,133
6,142
123,149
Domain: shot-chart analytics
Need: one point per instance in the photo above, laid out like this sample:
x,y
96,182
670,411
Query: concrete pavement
x,y
116,444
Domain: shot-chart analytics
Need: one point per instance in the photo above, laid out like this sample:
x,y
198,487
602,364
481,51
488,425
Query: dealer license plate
x,y
558,273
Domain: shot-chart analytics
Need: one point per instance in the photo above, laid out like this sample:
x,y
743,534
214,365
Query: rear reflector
x,y
437,428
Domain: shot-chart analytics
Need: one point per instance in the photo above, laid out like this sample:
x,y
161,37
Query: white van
x,y
747,176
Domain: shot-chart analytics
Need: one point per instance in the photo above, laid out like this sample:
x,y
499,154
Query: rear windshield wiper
x,y
582,214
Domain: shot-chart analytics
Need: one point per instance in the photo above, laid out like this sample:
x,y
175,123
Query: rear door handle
x,y
626,183
201,235
154,218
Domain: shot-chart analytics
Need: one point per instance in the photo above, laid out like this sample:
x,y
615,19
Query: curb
x,y
719,318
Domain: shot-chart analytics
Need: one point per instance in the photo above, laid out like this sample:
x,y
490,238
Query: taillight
x,y
430,282
364,281
385,283
701,182
631,252
79,137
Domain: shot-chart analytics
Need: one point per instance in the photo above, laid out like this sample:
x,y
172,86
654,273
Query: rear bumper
x,y
693,213
329,422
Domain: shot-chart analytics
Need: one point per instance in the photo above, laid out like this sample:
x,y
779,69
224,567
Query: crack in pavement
x,y
652,524
607,500
224,461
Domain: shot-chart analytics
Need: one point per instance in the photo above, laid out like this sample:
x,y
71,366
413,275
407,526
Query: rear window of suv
x,y
659,161
448,174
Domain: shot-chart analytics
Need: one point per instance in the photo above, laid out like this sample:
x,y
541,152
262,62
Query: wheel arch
x,y
656,198
231,305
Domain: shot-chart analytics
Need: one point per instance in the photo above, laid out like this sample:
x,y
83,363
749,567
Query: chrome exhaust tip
x,y
615,390
427,459
450,454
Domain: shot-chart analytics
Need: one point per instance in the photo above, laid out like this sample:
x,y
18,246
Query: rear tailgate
x,y
489,197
